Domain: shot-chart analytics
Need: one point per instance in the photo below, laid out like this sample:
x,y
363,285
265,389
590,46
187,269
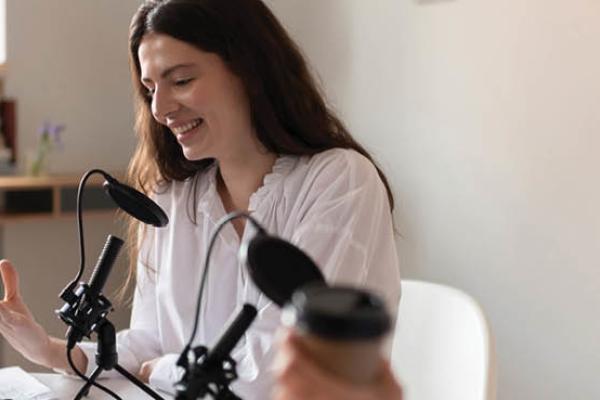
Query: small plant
x,y
48,140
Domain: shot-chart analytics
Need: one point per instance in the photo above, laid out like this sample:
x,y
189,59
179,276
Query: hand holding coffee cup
x,y
343,329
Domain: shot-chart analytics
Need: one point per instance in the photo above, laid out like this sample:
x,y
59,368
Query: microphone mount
x,y
210,372
86,308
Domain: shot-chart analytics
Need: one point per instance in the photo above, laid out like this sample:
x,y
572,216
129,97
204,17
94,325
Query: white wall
x,y
67,61
486,116
2,31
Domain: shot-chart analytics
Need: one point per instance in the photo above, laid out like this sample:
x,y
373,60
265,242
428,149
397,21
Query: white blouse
x,y
332,205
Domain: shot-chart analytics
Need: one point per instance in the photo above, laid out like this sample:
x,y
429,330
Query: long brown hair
x,y
288,112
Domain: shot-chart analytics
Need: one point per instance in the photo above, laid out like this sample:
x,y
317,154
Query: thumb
x,y
10,279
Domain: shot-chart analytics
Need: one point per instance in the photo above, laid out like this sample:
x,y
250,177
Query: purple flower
x,y
50,132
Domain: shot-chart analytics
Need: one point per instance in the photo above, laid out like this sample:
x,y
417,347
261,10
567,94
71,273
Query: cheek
x,y
195,99
229,93
235,107
237,96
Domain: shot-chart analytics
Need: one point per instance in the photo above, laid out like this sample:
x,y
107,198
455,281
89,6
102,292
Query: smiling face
x,y
195,95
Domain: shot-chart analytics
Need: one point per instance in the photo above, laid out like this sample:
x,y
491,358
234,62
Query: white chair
x,y
442,347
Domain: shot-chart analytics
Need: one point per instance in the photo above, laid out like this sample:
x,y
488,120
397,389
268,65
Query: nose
x,y
163,105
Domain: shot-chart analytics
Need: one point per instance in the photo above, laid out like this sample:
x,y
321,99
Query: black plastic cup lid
x,y
340,313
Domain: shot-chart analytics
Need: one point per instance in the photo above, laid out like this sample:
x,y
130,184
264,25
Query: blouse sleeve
x,y
345,225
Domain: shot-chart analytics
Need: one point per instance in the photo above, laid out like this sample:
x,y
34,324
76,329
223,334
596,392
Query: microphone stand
x,y
85,313
211,372
86,308
107,359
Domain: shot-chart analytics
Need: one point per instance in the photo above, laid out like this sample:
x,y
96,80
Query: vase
x,y
36,162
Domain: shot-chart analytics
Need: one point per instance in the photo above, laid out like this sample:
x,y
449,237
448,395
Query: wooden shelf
x,y
24,198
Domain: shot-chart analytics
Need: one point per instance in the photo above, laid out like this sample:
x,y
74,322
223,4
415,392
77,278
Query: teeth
x,y
187,127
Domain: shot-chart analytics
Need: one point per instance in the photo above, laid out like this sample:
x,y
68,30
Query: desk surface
x,y
67,387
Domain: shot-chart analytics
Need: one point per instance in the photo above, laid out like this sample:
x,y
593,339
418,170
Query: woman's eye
x,y
183,82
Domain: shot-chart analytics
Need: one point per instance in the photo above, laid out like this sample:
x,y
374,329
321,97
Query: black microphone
x,y
278,268
212,371
92,307
232,335
104,265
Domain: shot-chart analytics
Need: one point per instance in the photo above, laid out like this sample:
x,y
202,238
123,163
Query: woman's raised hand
x,y
17,324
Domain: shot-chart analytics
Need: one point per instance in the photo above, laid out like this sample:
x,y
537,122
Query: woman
x,y
229,118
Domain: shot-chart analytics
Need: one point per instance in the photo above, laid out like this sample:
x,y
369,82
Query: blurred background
x,y
65,64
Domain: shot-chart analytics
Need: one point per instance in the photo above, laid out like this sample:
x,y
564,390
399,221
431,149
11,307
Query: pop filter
x,y
278,267
135,203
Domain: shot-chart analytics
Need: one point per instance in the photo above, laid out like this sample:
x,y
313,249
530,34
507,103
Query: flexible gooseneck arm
x,y
86,308
210,372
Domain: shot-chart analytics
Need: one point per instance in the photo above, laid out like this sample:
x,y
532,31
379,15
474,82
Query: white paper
x,y
16,384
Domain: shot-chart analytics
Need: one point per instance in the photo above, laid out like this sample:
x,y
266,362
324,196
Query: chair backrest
x,y
442,347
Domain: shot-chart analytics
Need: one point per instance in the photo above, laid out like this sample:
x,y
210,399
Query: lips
x,y
186,131
185,128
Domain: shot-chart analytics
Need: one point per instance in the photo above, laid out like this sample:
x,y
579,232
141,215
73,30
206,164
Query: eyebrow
x,y
168,71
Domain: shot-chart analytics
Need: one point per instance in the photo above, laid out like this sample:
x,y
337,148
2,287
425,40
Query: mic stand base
x,y
106,358
86,388
84,391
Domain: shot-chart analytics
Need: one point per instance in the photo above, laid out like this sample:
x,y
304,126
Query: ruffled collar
x,y
281,168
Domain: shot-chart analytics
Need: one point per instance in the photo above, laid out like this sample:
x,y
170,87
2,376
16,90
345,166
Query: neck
x,y
239,179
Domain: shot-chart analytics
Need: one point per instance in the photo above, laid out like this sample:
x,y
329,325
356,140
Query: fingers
x,y
10,280
3,315
291,384
143,373
7,320
146,370
5,331
388,385
299,376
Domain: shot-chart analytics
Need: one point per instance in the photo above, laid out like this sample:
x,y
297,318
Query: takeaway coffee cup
x,y
342,327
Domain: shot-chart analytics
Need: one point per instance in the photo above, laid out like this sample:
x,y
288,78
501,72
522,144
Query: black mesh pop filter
x,y
135,203
278,268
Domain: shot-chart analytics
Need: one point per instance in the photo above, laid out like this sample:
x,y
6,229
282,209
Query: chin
x,y
195,156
